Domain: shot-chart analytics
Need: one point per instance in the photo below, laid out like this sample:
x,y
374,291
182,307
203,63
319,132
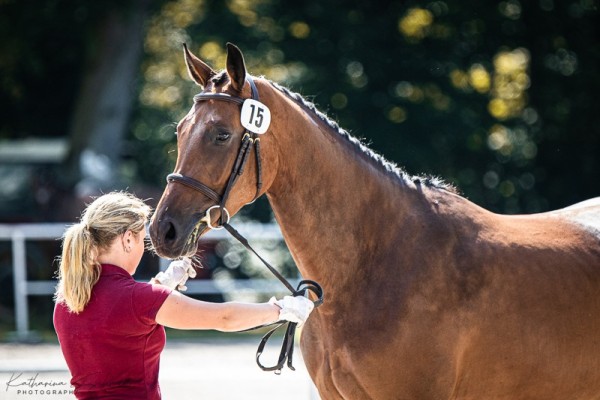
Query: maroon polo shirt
x,y
113,346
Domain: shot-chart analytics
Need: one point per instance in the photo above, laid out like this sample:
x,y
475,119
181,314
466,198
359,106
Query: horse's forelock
x,y
220,79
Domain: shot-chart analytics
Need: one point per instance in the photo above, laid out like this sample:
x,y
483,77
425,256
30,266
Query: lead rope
x,y
287,346
304,286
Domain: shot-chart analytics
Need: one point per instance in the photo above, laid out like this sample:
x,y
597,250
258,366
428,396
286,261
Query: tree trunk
x,y
105,100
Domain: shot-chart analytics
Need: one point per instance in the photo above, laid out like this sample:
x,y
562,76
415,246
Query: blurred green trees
x,y
499,98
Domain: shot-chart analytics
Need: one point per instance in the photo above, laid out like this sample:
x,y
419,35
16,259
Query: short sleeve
x,y
147,300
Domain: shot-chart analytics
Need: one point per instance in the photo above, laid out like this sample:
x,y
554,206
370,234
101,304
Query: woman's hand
x,y
294,308
176,275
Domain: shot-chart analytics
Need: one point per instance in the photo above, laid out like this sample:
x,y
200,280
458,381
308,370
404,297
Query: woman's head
x,y
107,218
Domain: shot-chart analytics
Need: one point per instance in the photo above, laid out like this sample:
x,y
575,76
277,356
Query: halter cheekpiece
x,y
248,139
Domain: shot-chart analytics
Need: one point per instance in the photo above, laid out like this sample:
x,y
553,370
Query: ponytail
x,y
78,271
106,218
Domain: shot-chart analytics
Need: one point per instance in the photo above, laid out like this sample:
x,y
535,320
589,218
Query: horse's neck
x,y
330,200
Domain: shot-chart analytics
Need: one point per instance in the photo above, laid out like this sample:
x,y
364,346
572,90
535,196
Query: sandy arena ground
x,y
213,369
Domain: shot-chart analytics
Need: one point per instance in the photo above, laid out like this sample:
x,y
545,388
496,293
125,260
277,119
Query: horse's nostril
x,y
171,233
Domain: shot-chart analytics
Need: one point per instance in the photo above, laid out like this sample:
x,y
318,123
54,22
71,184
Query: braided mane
x,y
390,167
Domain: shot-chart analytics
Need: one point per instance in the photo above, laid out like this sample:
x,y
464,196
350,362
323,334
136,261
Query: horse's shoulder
x,y
586,213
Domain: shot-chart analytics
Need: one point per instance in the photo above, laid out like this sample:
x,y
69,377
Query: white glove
x,y
294,308
177,274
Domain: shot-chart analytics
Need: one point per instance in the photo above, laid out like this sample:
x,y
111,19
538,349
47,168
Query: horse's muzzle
x,y
172,240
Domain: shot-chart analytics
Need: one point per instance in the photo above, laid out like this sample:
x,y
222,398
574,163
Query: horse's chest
x,y
330,361
339,376
345,364
350,361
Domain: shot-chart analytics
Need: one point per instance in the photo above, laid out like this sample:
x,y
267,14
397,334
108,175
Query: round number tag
x,y
256,117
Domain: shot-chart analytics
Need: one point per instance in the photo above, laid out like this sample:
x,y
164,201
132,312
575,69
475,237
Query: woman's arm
x,y
182,312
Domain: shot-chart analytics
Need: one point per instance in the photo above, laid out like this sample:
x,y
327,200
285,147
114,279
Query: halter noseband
x,y
248,139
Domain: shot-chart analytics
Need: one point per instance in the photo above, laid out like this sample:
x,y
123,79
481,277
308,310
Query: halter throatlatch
x,y
250,139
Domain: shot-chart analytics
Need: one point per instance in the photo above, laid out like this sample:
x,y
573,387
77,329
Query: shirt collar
x,y
109,269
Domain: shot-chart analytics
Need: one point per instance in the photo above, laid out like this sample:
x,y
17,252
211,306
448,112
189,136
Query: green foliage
x,y
43,51
498,98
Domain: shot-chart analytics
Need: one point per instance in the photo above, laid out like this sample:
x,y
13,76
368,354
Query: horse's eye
x,y
222,137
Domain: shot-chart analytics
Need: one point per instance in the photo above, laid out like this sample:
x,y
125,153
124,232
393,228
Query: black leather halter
x,y
248,139
304,286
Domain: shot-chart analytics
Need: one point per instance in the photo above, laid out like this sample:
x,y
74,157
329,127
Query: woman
x,y
110,327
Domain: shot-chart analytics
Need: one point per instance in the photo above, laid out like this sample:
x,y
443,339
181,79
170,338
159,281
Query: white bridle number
x,y
256,117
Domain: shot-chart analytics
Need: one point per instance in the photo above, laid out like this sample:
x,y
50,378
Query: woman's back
x,y
113,346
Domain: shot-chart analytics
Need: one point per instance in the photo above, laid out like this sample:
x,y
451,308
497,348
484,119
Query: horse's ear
x,y
199,71
236,68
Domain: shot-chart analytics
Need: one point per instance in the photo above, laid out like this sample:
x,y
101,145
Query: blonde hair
x,y
107,217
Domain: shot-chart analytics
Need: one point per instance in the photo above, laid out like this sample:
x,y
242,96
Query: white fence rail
x,y
19,234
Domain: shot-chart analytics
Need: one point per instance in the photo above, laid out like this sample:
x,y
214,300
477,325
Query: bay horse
x,y
427,295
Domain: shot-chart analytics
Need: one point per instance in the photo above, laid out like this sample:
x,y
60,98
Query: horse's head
x,y
210,141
